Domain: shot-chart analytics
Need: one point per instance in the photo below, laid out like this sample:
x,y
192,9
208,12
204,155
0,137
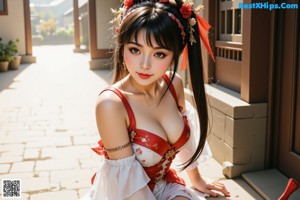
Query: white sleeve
x,y
190,147
120,179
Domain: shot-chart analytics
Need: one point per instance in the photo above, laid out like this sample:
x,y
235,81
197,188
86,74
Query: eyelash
x,y
136,51
160,55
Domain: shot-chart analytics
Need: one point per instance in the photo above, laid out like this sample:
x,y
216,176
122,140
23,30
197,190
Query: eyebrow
x,y
138,44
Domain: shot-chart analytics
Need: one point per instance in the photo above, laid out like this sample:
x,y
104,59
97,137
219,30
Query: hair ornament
x,y
172,2
186,10
203,27
179,25
192,22
199,8
118,15
128,3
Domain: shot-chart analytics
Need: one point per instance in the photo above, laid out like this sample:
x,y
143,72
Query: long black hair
x,y
153,17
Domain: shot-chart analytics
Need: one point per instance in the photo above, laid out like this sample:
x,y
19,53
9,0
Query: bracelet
x,y
118,148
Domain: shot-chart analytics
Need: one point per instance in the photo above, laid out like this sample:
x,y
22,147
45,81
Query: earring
x,y
171,68
124,65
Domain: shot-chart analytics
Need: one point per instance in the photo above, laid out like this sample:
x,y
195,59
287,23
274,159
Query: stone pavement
x,y
47,123
47,127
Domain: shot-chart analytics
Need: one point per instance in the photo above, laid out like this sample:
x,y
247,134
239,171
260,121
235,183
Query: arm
x,y
112,120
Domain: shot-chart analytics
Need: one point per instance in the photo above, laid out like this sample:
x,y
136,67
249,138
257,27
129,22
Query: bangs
x,y
158,27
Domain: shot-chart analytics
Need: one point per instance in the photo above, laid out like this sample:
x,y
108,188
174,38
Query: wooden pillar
x,y
28,38
76,25
256,53
92,28
209,14
28,57
101,38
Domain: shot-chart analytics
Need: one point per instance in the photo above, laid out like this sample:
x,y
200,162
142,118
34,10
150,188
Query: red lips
x,y
144,76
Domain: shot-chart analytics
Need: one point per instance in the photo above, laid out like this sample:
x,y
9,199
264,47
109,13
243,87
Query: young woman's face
x,y
146,64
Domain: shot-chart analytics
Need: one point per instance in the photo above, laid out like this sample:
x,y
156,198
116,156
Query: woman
x,y
143,117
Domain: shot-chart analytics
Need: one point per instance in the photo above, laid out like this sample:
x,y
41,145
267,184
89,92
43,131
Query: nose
x,y
146,64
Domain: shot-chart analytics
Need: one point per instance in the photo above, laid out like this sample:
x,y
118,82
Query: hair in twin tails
x,y
154,19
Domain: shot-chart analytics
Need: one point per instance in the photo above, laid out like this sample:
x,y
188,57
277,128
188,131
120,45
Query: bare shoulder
x,y
108,101
109,108
112,123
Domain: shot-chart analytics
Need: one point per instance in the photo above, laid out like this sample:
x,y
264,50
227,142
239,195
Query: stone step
x,y
270,184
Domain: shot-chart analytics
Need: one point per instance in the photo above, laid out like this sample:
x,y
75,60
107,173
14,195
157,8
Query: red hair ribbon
x,y
203,27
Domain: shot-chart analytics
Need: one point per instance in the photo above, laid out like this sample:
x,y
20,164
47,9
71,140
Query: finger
x,y
222,188
218,183
207,190
219,187
214,187
210,192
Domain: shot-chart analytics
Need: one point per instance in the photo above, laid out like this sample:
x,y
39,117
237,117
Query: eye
x,y
160,55
134,50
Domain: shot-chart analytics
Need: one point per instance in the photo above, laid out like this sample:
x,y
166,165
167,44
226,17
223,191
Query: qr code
x,y
11,188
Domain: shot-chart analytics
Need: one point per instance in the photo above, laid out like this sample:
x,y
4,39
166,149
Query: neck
x,y
151,90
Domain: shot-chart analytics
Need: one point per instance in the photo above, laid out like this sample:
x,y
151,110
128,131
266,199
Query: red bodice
x,y
161,170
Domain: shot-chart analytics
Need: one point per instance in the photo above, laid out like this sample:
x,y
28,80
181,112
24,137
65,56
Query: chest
x,y
165,120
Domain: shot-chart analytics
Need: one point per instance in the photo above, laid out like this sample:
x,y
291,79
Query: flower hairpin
x,y
186,12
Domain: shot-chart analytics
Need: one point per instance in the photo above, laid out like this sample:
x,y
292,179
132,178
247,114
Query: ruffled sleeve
x,y
119,179
190,147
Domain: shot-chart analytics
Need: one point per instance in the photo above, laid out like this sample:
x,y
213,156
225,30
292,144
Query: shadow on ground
x,y
8,78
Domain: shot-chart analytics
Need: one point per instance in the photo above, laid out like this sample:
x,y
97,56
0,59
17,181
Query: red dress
x,y
158,171
152,159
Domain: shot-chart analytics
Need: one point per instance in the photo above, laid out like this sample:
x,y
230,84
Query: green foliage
x,y
3,51
64,32
37,37
12,46
8,50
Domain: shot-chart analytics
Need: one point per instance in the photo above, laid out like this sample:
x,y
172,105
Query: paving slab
x,y
47,124
71,194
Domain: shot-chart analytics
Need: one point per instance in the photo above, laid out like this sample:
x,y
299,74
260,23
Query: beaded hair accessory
x,y
186,11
